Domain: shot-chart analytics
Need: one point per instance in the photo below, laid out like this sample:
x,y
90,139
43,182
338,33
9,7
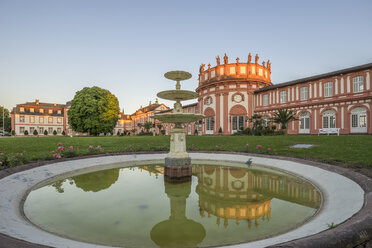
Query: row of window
x,y
358,121
358,86
40,130
32,110
31,119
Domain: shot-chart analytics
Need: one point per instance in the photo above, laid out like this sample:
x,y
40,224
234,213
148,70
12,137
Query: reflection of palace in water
x,y
242,194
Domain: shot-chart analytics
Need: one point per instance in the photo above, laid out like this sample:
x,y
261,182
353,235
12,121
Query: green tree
x,y
93,110
7,120
283,116
54,132
256,120
45,132
25,132
35,132
147,126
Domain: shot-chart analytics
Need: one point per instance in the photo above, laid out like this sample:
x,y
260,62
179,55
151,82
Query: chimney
x,y
37,101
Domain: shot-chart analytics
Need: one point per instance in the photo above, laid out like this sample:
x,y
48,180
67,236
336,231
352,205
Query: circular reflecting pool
x,y
223,203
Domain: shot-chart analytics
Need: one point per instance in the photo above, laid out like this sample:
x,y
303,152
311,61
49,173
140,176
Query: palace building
x,y
230,94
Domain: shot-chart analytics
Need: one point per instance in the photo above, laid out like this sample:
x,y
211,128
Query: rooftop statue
x,y
249,58
269,65
256,59
209,66
237,60
263,63
225,59
201,70
218,60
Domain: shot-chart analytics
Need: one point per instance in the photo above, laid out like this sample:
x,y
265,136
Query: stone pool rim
x,y
354,231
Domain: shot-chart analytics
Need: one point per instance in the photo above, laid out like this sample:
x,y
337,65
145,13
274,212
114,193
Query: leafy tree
x,y
93,110
45,132
7,120
283,116
147,126
35,132
54,132
26,132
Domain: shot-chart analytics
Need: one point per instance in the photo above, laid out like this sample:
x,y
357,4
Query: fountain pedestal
x,y
178,163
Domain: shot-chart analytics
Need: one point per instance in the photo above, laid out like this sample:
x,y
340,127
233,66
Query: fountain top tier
x,y
177,116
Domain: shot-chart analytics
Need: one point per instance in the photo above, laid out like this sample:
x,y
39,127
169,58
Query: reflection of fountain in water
x,y
177,162
178,230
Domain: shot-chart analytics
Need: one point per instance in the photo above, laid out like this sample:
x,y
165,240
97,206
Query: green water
x,y
136,207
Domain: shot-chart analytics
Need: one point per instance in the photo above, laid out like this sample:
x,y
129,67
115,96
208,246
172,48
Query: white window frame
x,y
237,121
265,100
209,125
50,119
283,96
329,119
328,89
304,93
32,119
358,84
358,120
304,123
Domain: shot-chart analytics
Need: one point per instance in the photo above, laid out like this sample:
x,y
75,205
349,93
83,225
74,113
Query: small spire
x,y
156,101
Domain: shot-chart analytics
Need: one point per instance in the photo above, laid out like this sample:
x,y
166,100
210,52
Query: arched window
x,y
359,120
329,119
304,122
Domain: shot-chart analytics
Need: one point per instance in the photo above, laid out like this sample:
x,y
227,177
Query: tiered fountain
x,y
178,162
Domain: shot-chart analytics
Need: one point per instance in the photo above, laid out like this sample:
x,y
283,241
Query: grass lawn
x,y
352,151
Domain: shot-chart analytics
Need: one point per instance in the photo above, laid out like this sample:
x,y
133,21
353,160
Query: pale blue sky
x,y
51,49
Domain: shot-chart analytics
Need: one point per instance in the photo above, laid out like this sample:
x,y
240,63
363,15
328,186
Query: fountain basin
x,y
337,191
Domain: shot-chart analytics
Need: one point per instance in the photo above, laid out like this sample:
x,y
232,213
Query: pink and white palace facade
x,y
229,94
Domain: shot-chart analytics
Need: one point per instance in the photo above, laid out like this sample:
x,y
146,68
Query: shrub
x,y
13,132
118,133
273,127
162,132
35,132
54,132
26,132
16,159
220,130
63,133
45,132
